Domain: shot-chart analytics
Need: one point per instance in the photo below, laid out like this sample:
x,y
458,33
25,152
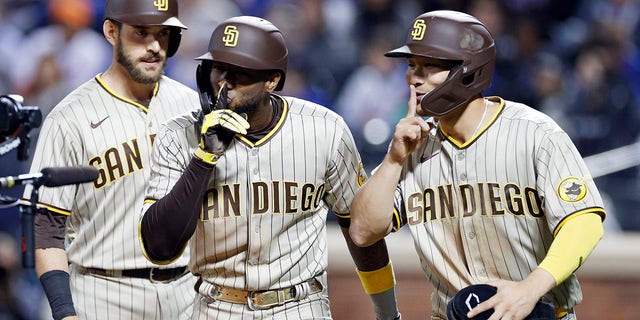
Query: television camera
x,y
16,122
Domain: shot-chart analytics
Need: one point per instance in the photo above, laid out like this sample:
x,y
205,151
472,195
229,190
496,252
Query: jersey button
x,y
255,171
472,235
463,177
461,156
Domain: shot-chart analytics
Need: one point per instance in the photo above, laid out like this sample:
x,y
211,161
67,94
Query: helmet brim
x,y
402,52
413,50
174,22
150,20
206,56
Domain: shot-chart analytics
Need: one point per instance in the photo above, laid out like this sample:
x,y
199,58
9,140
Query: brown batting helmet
x,y
248,42
148,13
456,37
470,297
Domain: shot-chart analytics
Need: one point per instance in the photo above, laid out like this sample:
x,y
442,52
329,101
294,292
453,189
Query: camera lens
x,y
13,115
9,116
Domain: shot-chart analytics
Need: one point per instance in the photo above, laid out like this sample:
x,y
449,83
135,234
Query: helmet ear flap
x,y
203,72
469,79
448,96
174,41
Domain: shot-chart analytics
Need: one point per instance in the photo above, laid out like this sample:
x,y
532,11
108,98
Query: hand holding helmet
x,y
469,297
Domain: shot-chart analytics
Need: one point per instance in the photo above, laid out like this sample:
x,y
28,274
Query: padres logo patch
x,y
572,189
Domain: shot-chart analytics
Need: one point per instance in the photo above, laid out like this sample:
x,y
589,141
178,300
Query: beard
x,y
248,103
137,73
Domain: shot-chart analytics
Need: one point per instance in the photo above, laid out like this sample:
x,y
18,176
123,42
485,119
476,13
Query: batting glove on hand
x,y
218,129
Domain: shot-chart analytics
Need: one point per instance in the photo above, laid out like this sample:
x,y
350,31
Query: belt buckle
x,y
250,302
151,277
280,298
211,295
250,298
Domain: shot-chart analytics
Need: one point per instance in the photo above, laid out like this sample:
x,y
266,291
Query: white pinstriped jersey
x,y
488,208
263,221
94,126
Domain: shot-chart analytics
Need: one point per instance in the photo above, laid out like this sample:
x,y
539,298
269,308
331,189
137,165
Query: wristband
x,y
210,158
377,281
56,286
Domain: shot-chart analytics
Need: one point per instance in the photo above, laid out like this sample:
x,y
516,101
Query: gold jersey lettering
x,y
467,200
264,197
111,165
223,203
284,197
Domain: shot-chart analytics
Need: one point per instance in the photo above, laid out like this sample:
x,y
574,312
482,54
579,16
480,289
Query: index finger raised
x,y
412,105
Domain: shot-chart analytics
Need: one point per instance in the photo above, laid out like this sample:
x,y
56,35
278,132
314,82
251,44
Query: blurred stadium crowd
x,y
577,61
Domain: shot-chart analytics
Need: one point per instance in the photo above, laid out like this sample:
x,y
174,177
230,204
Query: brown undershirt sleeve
x,y
49,230
170,222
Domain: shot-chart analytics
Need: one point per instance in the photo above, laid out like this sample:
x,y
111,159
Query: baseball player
x,y
249,181
492,190
88,258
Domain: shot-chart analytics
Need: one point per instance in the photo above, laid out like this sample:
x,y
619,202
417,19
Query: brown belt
x,y
258,300
153,274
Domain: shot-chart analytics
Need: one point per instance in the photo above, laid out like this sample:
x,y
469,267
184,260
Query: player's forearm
x,y
368,258
169,223
376,275
52,268
372,206
48,259
539,282
574,242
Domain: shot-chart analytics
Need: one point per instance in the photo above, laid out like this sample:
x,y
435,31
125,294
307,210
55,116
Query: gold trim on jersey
x,y
362,174
48,207
595,210
127,100
276,128
482,130
144,249
396,220
342,215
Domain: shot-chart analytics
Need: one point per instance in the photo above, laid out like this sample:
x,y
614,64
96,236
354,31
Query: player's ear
x,y
110,30
272,81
